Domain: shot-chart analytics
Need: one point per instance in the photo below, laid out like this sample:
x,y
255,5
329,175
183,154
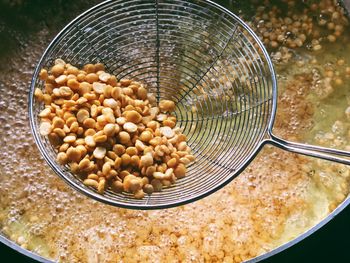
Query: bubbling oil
x,y
278,197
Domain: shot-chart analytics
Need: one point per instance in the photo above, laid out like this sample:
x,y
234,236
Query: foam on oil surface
x,y
279,196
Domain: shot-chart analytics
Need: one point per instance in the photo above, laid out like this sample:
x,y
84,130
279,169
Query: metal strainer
x,y
199,55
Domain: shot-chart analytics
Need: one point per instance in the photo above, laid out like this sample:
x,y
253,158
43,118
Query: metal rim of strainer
x,y
87,191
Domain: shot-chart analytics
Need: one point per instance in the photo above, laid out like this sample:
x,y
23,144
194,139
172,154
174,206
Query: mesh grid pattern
x,y
195,53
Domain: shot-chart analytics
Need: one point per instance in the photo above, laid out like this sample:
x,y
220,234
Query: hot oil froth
x,y
267,205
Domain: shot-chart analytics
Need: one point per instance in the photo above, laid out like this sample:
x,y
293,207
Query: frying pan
x,y
16,247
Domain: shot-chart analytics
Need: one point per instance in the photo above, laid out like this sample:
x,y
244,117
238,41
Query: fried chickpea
x,y
89,68
117,186
131,151
119,149
43,75
157,185
91,78
125,82
180,171
73,84
38,94
146,160
57,70
91,182
62,158
135,185
99,67
110,131
166,105
99,152
126,159
146,136
133,116
84,163
117,162
135,160
172,162
124,137
148,189
89,123
73,154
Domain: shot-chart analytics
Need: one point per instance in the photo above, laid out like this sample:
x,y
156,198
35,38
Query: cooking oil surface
x,y
278,197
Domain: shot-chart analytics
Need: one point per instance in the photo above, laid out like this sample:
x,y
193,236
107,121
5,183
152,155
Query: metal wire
x,y
193,52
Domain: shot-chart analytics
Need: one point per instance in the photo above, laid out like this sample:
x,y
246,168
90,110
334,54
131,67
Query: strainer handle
x,y
310,150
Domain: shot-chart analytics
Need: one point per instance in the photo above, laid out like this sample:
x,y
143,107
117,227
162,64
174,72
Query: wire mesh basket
x,y
196,53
